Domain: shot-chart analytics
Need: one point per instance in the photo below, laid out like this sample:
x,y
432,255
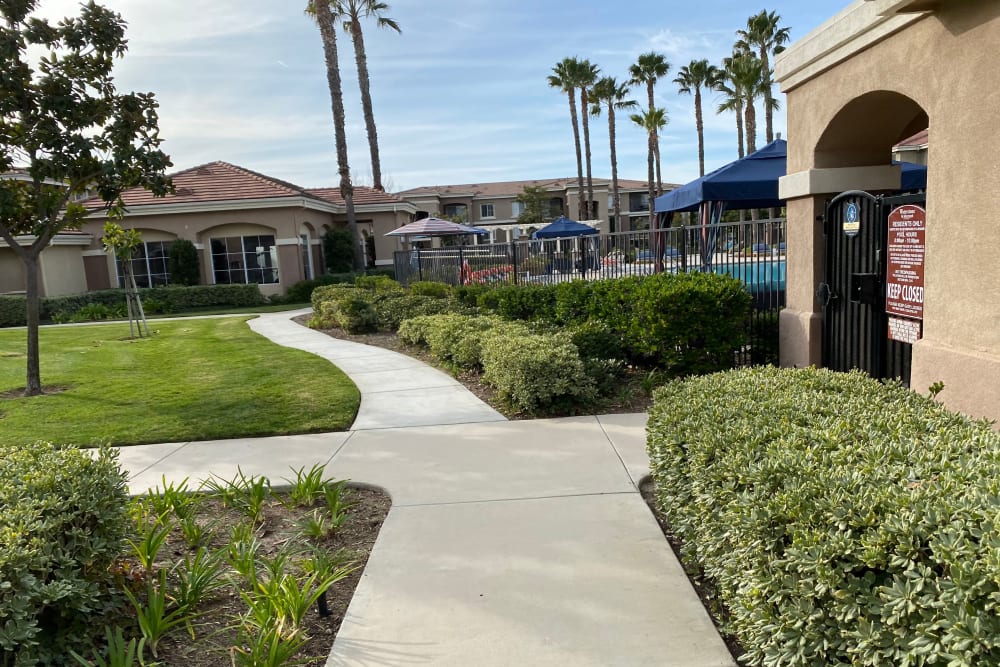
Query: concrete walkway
x,y
508,543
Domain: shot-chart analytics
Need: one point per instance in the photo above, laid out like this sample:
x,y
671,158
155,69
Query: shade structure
x,y
563,227
433,227
475,230
752,182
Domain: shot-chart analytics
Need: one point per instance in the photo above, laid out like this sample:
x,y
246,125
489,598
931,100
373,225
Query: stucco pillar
x,y
801,321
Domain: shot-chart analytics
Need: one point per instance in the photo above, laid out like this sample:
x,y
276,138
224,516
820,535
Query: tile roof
x,y
222,181
513,188
918,140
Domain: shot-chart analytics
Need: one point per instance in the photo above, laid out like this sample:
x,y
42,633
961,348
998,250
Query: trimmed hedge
x,y
62,527
171,298
843,521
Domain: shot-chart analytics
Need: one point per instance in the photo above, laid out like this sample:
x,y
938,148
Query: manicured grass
x,y
192,380
272,308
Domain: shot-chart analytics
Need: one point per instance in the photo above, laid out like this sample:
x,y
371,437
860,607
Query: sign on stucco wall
x,y
904,288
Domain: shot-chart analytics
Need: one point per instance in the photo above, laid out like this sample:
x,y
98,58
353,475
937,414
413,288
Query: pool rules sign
x,y
904,288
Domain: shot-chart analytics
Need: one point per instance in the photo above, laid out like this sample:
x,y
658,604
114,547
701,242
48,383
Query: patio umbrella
x,y
476,230
563,227
432,227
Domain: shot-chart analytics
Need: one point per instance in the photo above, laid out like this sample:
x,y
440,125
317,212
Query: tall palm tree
x,y
564,77
607,91
646,71
692,78
350,13
586,75
652,120
322,12
765,38
741,84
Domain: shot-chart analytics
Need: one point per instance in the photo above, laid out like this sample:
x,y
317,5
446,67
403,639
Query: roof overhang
x,y
58,239
856,28
256,204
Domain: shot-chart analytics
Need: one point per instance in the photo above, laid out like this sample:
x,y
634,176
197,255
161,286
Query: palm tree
x,y
647,70
564,77
741,84
693,77
652,121
350,13
609,92
763,37
586,75
322,12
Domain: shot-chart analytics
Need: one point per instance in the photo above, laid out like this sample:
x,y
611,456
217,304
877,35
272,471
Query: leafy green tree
x,y
323,13
351,12
123,242
537,211
607,91
63,121
565,76
646,71
766,38
338,251
184,267
691,79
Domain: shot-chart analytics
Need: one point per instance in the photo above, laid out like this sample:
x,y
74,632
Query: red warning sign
x,y
904,288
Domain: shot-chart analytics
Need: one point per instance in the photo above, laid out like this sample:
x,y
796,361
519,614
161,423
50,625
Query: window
x,y
150,264
517,208
456,212
638,201
486,211
245,259
307,262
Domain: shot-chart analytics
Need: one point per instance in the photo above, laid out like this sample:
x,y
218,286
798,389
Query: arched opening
x,y
864,131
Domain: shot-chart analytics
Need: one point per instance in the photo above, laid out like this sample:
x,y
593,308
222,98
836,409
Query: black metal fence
x,y
752,251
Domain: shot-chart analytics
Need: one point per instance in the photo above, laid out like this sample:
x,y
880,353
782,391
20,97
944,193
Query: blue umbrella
x,y
563,227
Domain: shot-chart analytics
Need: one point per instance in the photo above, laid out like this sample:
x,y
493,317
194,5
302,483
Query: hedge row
x,y
302,290
685,323
844,521
62,527
171,298
376,303
532,371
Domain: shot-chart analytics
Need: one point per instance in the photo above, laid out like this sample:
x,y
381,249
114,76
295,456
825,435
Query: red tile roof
x,y
918,140
362,196
514,188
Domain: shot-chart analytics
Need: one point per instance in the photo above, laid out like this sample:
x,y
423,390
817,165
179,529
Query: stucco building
x,y
876,74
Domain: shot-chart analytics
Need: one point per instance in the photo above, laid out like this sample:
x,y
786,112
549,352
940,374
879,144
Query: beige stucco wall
x,y
61,269
946,65
11,272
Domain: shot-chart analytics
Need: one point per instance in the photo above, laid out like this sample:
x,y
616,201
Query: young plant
x,y
176,498
272,645
195,533
252,494
153,618
307,487
119,652
242,552
198,578
336,494
153,532
316,524
224,491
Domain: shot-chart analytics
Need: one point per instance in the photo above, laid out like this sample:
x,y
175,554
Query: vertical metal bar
x,y
420,266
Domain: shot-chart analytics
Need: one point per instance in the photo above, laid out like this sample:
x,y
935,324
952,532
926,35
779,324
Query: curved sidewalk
x,y
507,543
396,390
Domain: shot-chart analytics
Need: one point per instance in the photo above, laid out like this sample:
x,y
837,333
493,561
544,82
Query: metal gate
x,y
855,331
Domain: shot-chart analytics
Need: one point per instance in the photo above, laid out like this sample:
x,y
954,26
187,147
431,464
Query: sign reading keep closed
x,y
904,289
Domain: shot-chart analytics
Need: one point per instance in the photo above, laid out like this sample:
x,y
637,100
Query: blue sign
x,y
852,222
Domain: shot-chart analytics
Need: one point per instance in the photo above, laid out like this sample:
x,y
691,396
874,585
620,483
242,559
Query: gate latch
x,y
865,288
825,294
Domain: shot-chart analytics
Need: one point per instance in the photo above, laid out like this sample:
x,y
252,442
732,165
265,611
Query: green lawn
x,y
193,380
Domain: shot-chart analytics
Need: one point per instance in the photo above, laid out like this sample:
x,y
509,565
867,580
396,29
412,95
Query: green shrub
x,y
763,338
536,373
331,293
573,302
302,291
377,283
520,302
688,323
469,295
430,288
392,309
184,267
844,521
457,339
62,526
13,311
338,250
93,312
414,330
596,340
356,315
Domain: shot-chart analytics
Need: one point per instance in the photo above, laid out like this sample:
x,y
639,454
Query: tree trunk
x,y
591,214
656,156
33,382
615,198
768,113
649,159
739,129
699,124
751,127
366,100
579,158
324,17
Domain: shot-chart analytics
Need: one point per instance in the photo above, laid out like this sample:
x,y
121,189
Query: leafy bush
x,y
536,373
378,283
12,310
414,330
93,312
63,525
843,521
338,250
184,267
430,288
469,295
596,340
356,315
176,297
392,309
302,290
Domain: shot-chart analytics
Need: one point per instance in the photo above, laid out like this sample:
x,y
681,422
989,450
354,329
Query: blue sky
x,y
460,96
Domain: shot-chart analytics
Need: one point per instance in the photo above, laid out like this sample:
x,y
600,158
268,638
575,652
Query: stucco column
x,y
801,321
